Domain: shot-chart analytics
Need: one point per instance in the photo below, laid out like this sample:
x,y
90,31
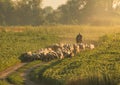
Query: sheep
x,y
55,46
76,48
60,53
92,46
29,53
66,52
27,56
87,46
72,54
82,46
57,51
71,48
61,45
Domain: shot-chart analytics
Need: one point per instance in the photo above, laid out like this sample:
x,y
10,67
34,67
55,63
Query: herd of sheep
x,y
56,51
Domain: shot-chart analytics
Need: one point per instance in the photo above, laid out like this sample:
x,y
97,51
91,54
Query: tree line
x,y
30,12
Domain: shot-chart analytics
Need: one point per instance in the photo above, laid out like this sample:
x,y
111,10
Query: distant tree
x,y
6,10
95,8
98,5
29,12
80,11
54,17
48,10
71,11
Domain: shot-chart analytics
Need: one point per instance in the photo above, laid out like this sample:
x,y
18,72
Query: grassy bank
x,y
96,67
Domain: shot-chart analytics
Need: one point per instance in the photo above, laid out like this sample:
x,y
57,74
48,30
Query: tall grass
x,y
3,82
16,40
96,67
13,44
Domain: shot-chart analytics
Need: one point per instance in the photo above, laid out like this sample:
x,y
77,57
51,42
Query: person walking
x,y
79,38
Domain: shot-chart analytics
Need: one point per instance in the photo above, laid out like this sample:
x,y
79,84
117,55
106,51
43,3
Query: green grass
x,y
16,78
13,44
96,67
3,82
16,40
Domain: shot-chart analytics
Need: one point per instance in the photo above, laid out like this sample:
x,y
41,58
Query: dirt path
x,y
26,75
10,70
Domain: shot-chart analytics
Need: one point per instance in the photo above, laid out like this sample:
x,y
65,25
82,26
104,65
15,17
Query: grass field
x,y
16,40
13,44
96,67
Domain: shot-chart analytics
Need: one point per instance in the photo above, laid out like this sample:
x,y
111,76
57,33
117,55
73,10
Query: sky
x,y
53,3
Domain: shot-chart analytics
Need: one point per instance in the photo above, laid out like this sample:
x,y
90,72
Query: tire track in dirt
x,y
10,70
4,74
26,76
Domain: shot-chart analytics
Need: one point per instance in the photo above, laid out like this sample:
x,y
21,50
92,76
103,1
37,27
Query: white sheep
x,y
82,46
92,46
76,48
29,53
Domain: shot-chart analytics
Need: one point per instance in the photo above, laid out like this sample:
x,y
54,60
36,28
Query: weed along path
x,y
10,70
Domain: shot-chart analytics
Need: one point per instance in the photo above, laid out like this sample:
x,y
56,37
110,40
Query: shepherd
x,y
79,38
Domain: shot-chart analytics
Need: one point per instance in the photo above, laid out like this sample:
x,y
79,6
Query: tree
x,y
6,10
54,17
98,5
47,10
29,12
71,11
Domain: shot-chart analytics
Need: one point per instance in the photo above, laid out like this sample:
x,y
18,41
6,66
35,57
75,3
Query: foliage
x,y
15,79
33,14
6,9
30,12
20,13
71,11
96,67
3,82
